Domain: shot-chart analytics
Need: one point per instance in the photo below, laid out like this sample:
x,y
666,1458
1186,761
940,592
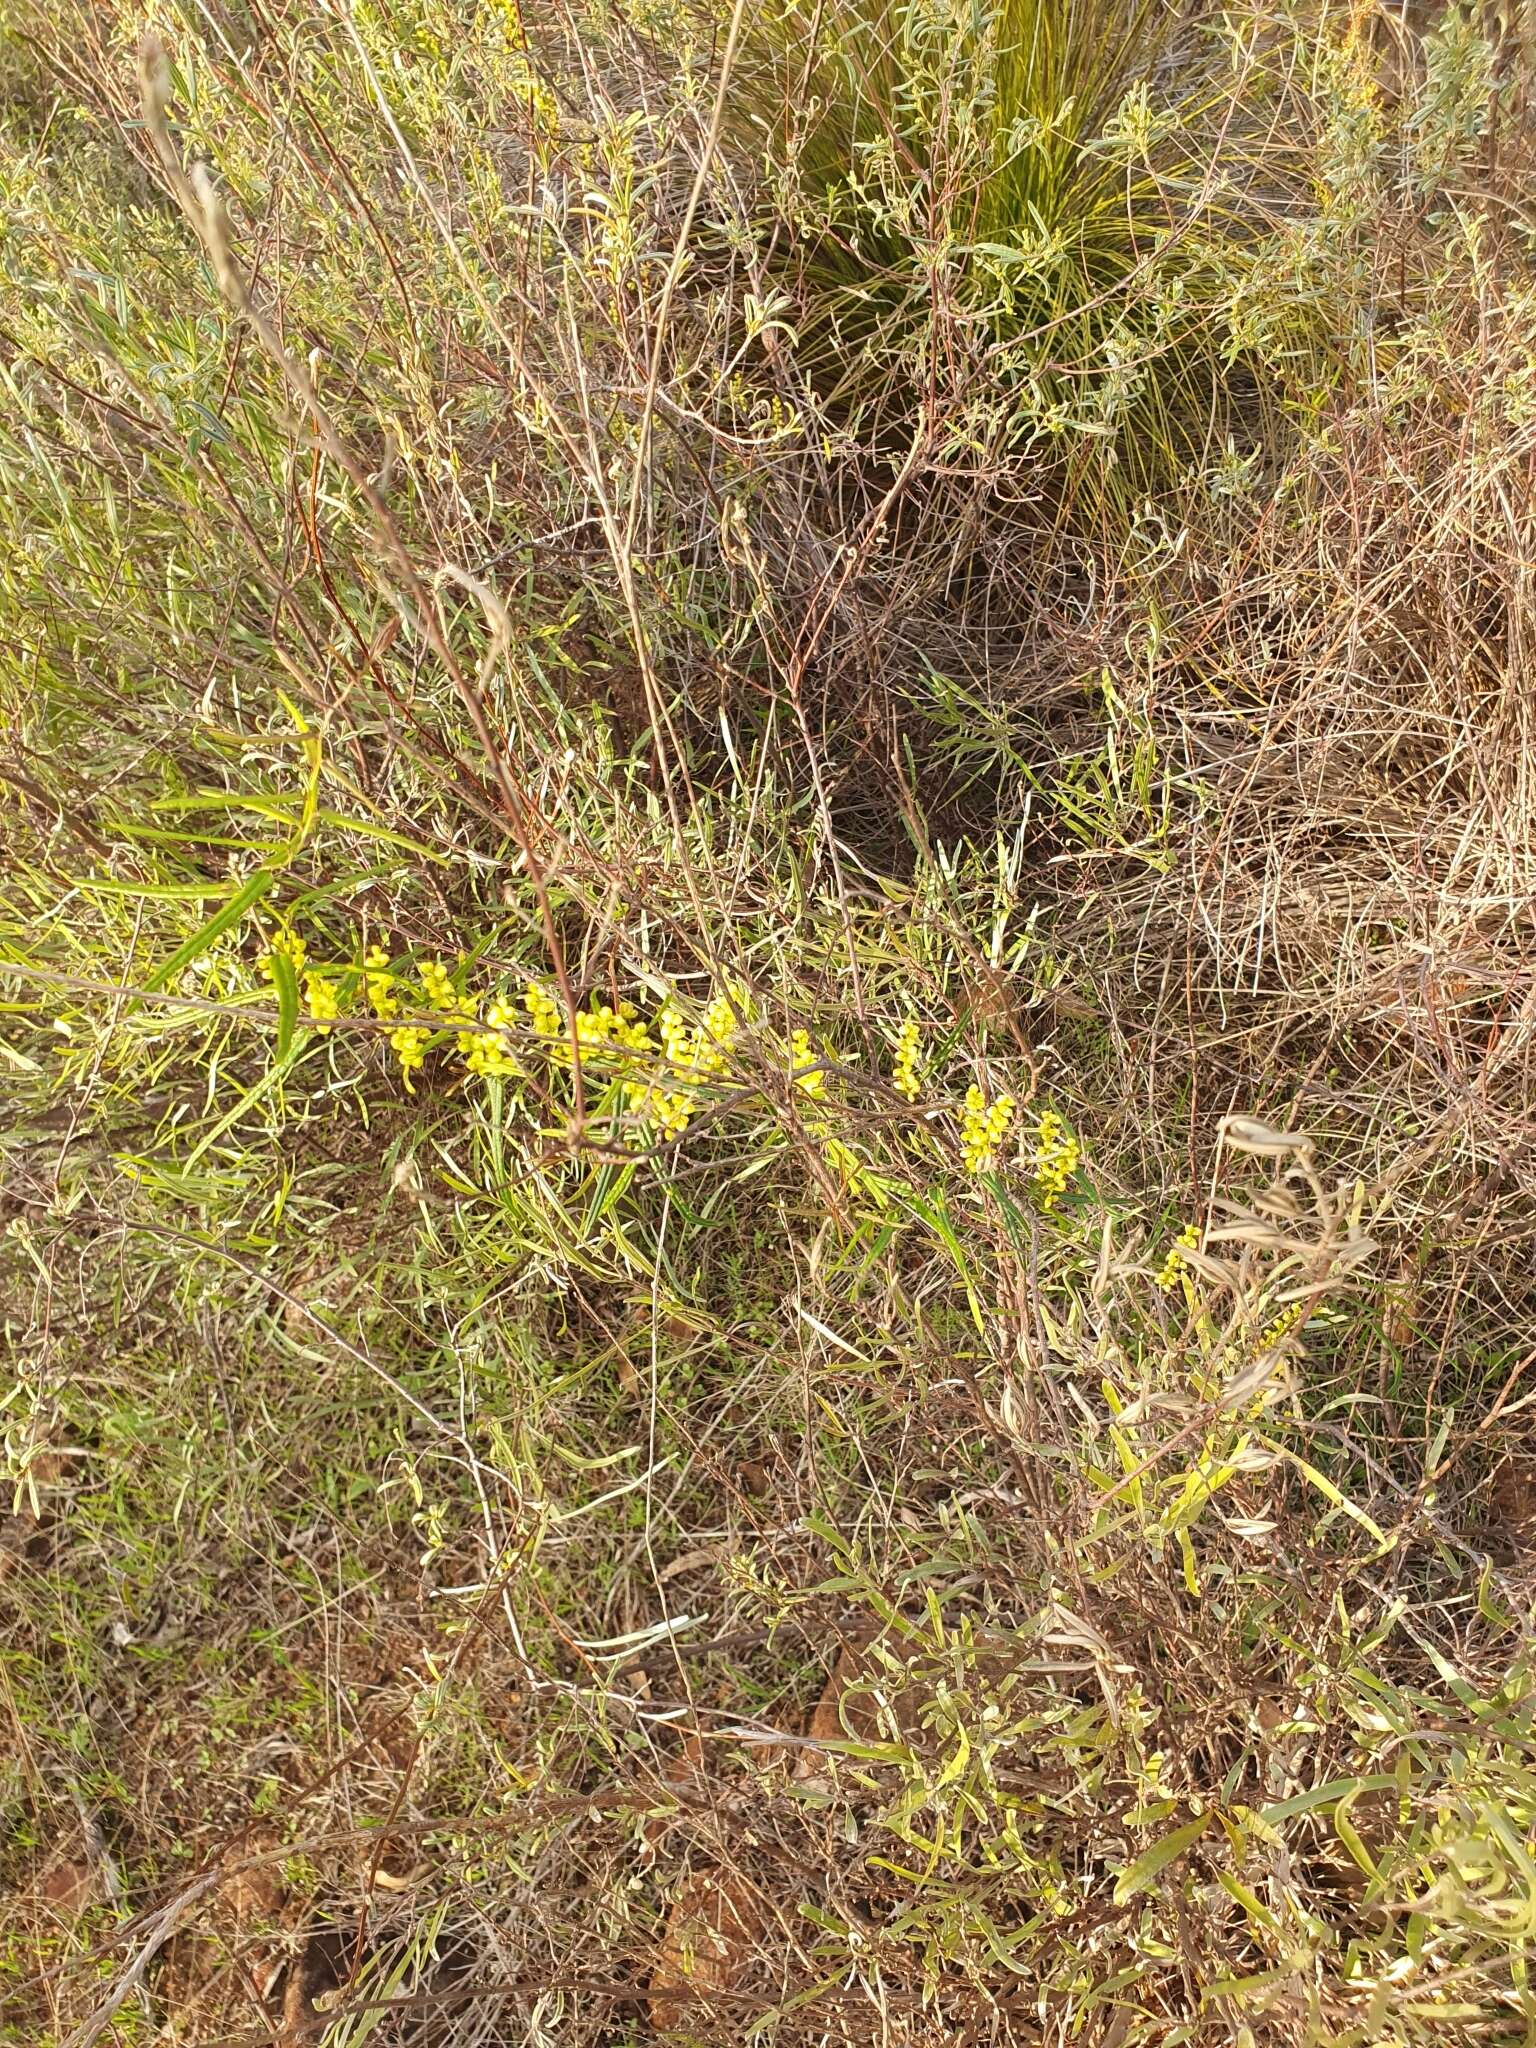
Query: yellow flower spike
x,y
1056,1158
437,985
409,1044
630,1030
1282,1325
707,1050
983,1127
668,1111
676,1113
678,1043
1174,1262
804,1071
485,1051
715,1036
599,1025
321,1000
542,1009
379,982
904,1077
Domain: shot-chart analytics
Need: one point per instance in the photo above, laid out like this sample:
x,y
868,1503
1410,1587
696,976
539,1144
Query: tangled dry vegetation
x,y
766,1004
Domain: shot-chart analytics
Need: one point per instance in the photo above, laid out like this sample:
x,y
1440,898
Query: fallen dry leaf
x,y
67,1887
856,1663
707,1946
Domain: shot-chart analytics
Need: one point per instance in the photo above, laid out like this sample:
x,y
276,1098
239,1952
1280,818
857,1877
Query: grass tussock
x,y
766,1010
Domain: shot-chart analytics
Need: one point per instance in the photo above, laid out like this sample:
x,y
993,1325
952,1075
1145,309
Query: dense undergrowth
x,y
766,968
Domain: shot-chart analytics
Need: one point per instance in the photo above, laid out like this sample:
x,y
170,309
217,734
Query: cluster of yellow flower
x,y
1056,1158
689,1054
904,1065
543,1010
677,1038
437,983
657,1068
321,999
804,1070
379,982
485,1050
1281,1325
704,1051
717,1034
1175,1263
621,1029
670,1110
408,1042
983,1127
602,1025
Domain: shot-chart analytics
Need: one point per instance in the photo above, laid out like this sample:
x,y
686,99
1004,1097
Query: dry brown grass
x,y
1033,1684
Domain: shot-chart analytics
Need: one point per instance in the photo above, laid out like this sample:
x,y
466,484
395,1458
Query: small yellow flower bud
x,y
1174,1263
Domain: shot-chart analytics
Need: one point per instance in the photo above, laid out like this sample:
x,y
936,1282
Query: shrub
x,y
1025,224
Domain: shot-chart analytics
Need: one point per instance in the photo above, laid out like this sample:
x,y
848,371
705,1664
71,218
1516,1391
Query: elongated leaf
x,y
1351,1837
286,981
1324,1795
248,894
278,809
248,1098
1151,1863
179,836
1000,252
1329,1491
936,1216
160,892
1250,1902
365,830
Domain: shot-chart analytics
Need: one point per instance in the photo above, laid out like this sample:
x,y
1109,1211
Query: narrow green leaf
x,y
1323,1795
1151,1863
936,1216
1329,1491
286,981
227,800
162,892
1351,1837
244,898
248,1098
365,830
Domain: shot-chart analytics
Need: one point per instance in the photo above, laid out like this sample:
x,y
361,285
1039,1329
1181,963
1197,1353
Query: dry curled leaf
x,y
1255,1231
1247,1134
1215,1272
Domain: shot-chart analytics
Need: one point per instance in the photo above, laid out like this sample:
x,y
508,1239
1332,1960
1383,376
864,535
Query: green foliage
x,y
1035,214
